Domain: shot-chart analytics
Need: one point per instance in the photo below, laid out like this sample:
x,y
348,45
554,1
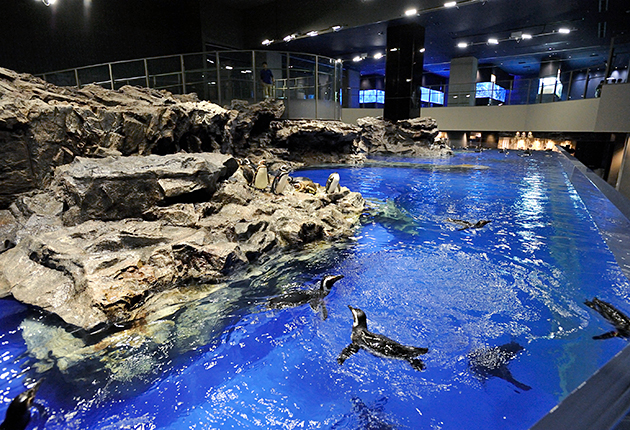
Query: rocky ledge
x,y
113,233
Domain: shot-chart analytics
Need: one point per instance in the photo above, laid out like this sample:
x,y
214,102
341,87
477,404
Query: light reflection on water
x,y
227,362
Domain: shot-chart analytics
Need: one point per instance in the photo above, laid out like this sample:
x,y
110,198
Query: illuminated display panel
x,y
490,90
372,96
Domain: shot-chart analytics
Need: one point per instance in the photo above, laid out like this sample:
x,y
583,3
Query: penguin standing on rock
x,y
377,344
19,411
280,181
332,185
261,177
247,170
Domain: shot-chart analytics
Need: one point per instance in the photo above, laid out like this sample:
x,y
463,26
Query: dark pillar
x,y
403,70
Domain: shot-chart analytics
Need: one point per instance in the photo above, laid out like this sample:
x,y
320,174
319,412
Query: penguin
x,y
19,414
261,177
313,297
377,344
280,181
305,185
613,316
468,224
489,362
247,170
332,184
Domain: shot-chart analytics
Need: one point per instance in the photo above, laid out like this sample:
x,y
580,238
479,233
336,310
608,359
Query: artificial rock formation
x,y
98,246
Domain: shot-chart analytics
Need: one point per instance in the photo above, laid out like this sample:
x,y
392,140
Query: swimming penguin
x,y
280,181
489,362
613,316
247,170
300,297
332,184
19,413
261,177
468,224
377,344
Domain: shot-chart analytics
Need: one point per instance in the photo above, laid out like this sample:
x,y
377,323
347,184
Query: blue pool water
x,y
229,363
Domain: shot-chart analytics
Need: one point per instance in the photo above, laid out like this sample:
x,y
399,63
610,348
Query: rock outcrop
x,y
115,232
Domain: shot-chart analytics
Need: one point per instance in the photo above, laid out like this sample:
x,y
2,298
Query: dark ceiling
x,y
593,24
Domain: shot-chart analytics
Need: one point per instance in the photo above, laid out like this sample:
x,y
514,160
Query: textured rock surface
x,y
103,272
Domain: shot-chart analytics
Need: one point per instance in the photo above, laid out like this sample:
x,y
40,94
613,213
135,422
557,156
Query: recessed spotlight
x,y
526,36
267,42
492,41
450,4
312,33
411,12
462,45
564,31
378,56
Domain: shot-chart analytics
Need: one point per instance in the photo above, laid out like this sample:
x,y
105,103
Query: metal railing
x,y
308,83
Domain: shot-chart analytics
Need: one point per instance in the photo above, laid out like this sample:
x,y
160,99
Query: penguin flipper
x,y
607,335
353,348
324,311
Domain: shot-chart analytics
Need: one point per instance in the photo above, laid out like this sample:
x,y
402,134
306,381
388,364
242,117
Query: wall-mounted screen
x,y
372,96
428,95
490,90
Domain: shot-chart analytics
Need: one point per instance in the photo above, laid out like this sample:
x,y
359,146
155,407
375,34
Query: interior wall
x,y
37,39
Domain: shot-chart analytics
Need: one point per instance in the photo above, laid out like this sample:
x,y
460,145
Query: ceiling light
x,y
462,45
267,42
422,50
492,41
378,56
336,27
289,38
339,60
393,50
526,36
411,12
450,4
312,33
49,2
357,59
564,31
229,67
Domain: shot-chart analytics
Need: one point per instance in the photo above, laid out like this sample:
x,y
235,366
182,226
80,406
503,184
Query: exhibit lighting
x,y
393,50
492,41
312,33
49,2
411,12
378,56
462,45
336,27
357,59
289,38
422,50
267,42
526,36
564,31
450,4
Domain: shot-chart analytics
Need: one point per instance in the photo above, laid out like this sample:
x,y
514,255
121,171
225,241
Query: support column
x,y
461,82
403,71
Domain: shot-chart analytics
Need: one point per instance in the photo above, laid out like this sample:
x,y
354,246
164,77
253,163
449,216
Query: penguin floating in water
x,y
247,170
489,362
19,412
332,184
314,297
377,344
280,181
261,177
613,316
468,224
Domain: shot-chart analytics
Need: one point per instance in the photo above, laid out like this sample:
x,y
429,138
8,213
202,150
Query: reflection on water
x,y
216,357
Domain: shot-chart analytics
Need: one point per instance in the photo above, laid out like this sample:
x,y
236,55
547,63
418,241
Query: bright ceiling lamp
x,y
312,33
411,12
526,36
267,42
493,41
564,31
49,2
450,4
462,45
357,59
289,38
378,56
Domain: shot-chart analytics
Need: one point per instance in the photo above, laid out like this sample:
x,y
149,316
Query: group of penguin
x,y
259,178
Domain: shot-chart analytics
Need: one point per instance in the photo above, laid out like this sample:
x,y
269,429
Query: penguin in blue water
x,y
19,412
613,316
314,297
377,344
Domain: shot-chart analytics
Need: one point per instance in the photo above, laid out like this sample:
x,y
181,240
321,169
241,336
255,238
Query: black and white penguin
x,y
261,177
613,316
280,181
314,297
19,412
247,170
493,362
332,184
377,344
468,224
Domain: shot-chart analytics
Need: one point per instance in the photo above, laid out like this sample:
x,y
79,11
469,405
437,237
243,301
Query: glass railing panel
x,y
96,74
301,82
164,65
62,79
129,73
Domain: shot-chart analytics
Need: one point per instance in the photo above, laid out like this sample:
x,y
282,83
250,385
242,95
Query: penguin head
x,y
360,319
20,405
328,281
